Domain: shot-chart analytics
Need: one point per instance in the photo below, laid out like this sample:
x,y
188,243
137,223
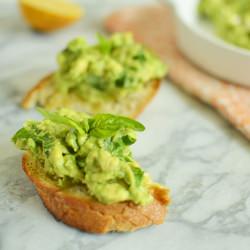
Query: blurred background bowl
x,y
198,42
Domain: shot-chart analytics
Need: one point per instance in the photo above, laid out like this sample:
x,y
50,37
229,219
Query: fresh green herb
x,y
120,82
104,44
44,139
140,57
55,117
48,142
138,173
96,81
118,148
22,133
105,125
128,140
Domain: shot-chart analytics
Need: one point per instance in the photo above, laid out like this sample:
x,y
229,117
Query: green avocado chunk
x,y
230,18
112,68
93,151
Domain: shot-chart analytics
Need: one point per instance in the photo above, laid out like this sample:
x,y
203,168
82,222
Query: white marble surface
x,y
186,146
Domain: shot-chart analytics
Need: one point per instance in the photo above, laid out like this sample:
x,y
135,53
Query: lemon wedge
x,y
49,15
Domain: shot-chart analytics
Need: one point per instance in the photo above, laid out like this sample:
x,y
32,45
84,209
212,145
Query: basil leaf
x,y
96,82
106,125
128,140
138,174
45,140
104,44
22,133
48,142
121,81
140,57
55,117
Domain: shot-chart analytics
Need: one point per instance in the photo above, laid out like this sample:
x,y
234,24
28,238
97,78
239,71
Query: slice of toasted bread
x,y
75,208
45,94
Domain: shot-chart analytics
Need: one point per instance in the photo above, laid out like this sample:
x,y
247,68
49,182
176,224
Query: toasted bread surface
x,y
74,207
45,94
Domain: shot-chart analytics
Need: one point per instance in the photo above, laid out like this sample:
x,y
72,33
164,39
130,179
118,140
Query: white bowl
x,y
199,43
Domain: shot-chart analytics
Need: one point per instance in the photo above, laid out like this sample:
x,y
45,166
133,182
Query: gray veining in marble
x,y
187,146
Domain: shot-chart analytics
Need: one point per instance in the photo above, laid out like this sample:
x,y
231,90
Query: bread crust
x,y
30,99
142,105
38,94
89,215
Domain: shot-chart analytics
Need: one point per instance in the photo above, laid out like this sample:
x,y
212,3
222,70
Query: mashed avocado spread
x,y
112,68
92,151
231,19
